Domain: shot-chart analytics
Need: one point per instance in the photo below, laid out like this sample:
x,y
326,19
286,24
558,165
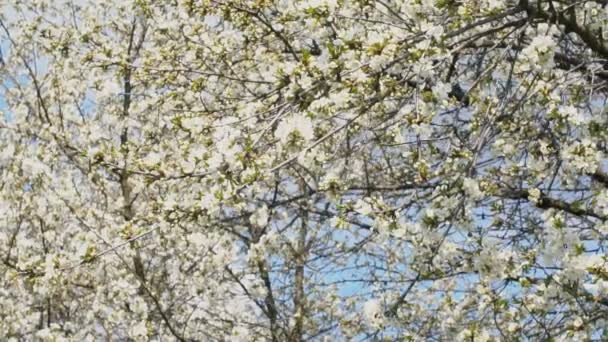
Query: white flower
x,y
432,30
260,217
350,33
600,288
602,202
139,329
210,201
298,123
363,208
534,195
441,90
152,159
374,37
169,203
492,4
482,336
139,306
44,334
34,167
512,327
338,222
544,147
399,232
539,54
373,313
195,124
49,266
255,286
471,188
331,4
197,239
578,322
582,156
6,155
109,88
378,62
503,147
573,115
585,262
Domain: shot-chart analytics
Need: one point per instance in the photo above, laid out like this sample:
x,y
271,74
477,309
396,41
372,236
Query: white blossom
x,y
373,312
471,188
300,124
260,217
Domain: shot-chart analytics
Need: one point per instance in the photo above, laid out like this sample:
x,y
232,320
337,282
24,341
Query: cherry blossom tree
x,y
306,170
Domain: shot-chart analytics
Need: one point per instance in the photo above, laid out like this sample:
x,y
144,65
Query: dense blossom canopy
x,y
306,170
